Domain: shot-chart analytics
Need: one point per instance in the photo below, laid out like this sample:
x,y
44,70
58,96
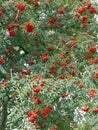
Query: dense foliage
x,y
48,65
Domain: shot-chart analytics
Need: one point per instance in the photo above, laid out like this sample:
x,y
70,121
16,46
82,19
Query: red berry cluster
x,y
29,27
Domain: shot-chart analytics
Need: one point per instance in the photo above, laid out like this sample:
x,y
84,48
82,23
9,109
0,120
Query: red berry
x,y
96,74
81,85
92,10
85,25
26,72
21,7
37,89
64,95
9,27
36,4
12,33
85,109
92,49
22,76
89,5
38,101
45,59
81,10
92,93
95,110
2,62
62,11
84,18
52,20
1,13
81,0
47,110
42,83
50,48
29,27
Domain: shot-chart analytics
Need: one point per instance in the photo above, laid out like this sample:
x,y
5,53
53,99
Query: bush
x,y
48,65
